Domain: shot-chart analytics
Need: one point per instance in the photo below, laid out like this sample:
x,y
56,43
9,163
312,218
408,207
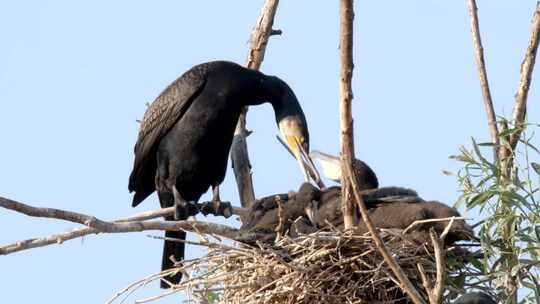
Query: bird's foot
x,y
182,208
217,208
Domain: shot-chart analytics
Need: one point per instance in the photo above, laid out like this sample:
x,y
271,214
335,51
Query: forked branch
x,y
527,67
239,152
349,181
482,73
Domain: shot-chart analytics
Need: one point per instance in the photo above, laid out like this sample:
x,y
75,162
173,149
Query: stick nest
x,y
323,267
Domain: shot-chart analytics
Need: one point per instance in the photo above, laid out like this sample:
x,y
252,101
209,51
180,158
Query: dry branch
x,y
131,224
527,66
436,291
349,181
239,153
435,295
345,109
482,73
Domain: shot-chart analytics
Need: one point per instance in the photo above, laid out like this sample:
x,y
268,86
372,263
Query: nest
x,y
322,267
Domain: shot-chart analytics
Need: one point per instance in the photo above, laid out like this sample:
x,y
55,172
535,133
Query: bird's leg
x,y
182,208
215,194
216,206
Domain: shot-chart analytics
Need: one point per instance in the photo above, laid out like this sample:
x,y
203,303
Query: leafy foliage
x,y
505,194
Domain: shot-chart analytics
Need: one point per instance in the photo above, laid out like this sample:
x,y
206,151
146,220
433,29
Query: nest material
x,y
323,267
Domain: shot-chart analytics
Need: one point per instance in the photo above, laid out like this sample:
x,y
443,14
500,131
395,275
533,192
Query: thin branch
x,y
349,180
239,153
70,216
345,108
442,219
130,224
435,291
260,34
527,66
484,84
423,277
435,295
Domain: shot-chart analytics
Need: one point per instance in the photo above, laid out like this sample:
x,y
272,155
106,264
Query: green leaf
x,y
507,132
479,199
478,264
516,269
486,144
528,261
513,196
536,167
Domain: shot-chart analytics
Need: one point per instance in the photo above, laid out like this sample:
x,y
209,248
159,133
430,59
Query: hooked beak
x,y
304,160
296,141
297,147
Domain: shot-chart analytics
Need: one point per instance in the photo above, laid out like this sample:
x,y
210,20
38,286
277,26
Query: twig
x,y
281,223
444,219
435,292
349,180
527,66
447,229
239,153
484,84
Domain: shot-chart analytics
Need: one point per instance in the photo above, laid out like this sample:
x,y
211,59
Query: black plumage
x,y
392,208
475,298
388,207
263,215
186,134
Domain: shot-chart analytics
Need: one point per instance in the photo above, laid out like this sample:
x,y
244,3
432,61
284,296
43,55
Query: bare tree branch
x,y
345,108
482,73
435,295
527,66
349,181
131,224
435,291
70,216
239,153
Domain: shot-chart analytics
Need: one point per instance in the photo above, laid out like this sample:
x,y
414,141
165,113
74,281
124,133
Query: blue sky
x,y
74,77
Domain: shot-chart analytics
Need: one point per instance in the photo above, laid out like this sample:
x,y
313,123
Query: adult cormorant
x,y
186,134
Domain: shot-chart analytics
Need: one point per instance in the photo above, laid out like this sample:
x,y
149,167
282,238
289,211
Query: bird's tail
x,y
172,251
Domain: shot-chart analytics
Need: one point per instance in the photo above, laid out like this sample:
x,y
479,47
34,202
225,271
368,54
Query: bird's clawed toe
x,y
217,208
183,210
